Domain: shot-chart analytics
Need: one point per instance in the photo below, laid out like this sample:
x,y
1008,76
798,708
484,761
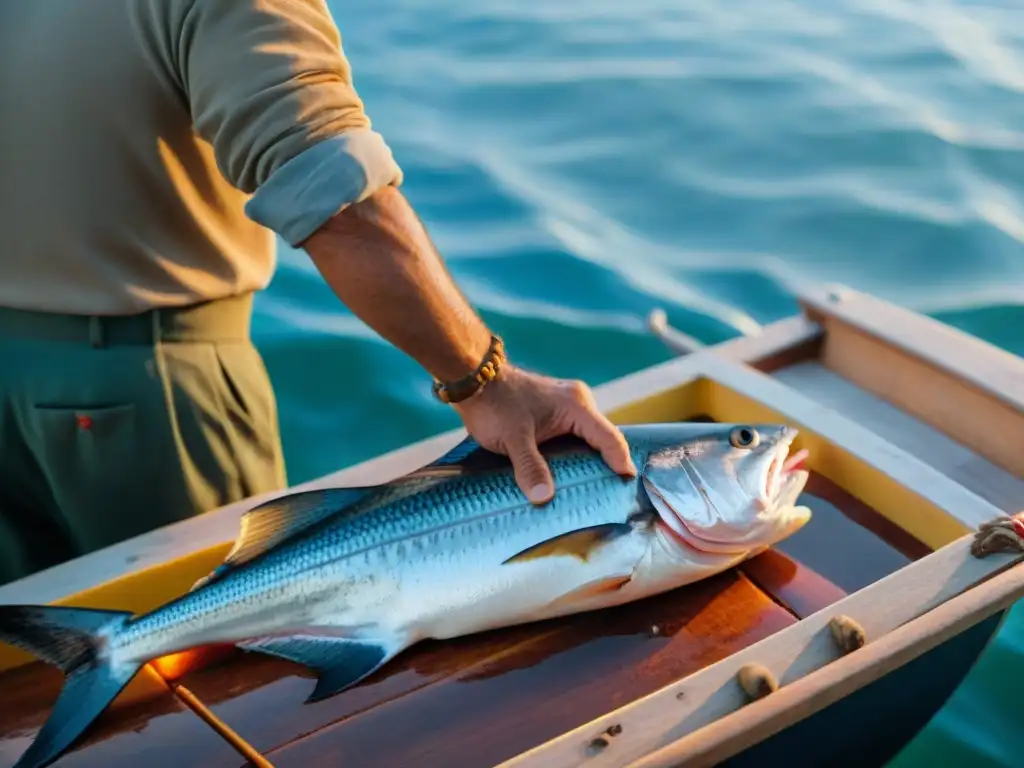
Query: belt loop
x,y
96,332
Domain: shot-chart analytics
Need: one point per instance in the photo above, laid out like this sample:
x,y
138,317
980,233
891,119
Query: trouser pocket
x,y
98,467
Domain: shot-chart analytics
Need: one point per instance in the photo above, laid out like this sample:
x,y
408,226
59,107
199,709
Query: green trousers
x,y
112,427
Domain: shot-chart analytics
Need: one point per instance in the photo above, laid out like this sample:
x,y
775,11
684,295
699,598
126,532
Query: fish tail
x,y
74,640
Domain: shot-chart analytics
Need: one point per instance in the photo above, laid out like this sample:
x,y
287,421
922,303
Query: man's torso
x,y
111,204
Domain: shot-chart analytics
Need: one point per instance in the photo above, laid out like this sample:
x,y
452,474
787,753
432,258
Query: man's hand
x,y
519,410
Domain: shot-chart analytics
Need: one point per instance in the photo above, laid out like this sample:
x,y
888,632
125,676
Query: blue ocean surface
x,y
581,163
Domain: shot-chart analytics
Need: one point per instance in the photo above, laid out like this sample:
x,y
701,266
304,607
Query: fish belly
x,y
442,599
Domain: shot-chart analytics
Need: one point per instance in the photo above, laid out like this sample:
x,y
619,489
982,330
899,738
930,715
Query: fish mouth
x,y
781,484
785,477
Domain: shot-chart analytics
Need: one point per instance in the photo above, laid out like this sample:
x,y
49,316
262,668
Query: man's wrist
x,y
487,369
465,356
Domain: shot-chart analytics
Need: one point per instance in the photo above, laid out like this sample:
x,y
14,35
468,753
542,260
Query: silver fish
x,y
342,580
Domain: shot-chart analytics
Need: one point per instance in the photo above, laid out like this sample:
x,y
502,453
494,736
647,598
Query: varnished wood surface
x,y
161,733
498,693
568,673
794,586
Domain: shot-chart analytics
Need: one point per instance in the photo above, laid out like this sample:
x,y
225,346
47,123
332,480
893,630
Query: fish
x,y
342,580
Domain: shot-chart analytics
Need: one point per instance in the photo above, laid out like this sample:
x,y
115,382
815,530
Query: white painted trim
x,y
992,370
755,722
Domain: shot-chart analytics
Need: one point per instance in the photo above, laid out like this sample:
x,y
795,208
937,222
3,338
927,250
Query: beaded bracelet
x,y
467,386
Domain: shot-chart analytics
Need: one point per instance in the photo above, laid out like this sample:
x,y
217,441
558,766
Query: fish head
x,y
731,489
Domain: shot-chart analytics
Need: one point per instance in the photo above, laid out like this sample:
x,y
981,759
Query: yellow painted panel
x,y
677,404
919,517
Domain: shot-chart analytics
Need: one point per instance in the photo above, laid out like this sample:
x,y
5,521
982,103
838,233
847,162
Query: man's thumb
x,y
532,472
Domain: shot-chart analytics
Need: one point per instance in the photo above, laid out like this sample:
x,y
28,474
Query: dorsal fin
x,y
272,522
455,457
267,525
469,456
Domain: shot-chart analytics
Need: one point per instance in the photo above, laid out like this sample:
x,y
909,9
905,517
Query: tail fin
x,y
72,639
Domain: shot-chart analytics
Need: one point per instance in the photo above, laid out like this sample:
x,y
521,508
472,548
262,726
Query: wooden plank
x,y
581,667
199,543
934,508
653,394
951,458
732,734
262,698
797,588
988,368
970,390
157,733
693,702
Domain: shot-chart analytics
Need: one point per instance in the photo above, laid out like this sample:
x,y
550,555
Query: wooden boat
x,y
834,648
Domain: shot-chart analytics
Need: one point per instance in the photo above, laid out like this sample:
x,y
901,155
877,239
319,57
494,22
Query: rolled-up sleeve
x,y
270,88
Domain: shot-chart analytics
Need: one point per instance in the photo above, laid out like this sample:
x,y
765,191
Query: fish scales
x,y
478,511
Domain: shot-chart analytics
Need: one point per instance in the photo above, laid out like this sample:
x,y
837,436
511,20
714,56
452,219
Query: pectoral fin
x,y
581,543
339,662
591,590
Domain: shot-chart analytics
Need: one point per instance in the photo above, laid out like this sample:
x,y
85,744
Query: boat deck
x,y
483,699
912,449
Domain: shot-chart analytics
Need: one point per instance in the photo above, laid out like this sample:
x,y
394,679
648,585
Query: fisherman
x,y
150,152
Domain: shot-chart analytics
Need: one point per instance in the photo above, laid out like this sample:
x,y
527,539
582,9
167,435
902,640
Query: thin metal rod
x,y
240,745
673,338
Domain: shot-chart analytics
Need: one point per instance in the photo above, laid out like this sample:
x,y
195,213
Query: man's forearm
x,y
379,260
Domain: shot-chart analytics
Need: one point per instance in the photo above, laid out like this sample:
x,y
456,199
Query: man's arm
x,y
268,86
380,262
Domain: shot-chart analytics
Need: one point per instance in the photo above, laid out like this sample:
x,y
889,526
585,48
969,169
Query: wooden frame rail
x,y
757,721
932,508
687,707
961,385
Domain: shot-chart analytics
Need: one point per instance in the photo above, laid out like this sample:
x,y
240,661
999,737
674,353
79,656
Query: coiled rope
x,y
1004,534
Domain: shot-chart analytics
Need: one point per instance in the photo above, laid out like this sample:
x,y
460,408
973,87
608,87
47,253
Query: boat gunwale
x,y
730,735
921,594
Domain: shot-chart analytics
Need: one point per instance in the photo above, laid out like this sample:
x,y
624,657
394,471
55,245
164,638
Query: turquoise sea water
x,y
580,163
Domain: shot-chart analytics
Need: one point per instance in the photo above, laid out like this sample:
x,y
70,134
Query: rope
x,y
1004,534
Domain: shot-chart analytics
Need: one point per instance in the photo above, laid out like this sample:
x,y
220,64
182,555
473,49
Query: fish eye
x,y
744,437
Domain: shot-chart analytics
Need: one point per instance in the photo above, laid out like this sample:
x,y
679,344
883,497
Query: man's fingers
x,y
532,472
605,437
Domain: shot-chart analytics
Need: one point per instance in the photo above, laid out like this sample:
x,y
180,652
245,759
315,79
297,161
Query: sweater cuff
x,y
320,181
